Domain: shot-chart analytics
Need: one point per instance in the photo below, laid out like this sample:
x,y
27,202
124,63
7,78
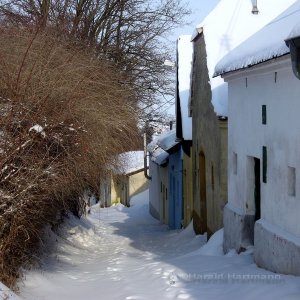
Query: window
x,y
264,114
291,181
265,166
234,163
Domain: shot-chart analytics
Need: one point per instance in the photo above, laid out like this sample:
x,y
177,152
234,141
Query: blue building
x,y
175,187
166,190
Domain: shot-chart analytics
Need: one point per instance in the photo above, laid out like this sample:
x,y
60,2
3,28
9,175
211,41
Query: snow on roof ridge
x,y
266,44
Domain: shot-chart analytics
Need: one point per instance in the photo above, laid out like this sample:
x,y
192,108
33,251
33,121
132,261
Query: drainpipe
x,y
145,157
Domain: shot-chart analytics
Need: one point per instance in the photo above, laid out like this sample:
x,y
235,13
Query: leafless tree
x,y
129,32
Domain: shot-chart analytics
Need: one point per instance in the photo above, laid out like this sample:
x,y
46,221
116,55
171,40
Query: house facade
x,y
212,40
159,185
209,148
184,123
166,185
165,168
264,144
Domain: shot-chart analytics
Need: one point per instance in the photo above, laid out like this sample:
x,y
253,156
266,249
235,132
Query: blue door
x,y
176,195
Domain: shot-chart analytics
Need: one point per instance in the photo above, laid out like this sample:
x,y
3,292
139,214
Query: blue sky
x,y
200,9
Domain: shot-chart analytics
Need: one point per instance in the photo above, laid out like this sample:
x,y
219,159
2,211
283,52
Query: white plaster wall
x,y
154,190
281,136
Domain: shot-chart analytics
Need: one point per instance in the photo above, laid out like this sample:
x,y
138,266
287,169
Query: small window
x,y
264,114
265,161
292,181
234,163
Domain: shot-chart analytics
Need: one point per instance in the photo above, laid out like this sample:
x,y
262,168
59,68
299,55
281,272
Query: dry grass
x,y
86,116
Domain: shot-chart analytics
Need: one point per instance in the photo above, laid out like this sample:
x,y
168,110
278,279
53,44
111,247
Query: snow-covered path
x,y
123,253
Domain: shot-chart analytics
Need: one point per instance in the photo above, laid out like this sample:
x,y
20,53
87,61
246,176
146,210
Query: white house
x,y
264,145
229,24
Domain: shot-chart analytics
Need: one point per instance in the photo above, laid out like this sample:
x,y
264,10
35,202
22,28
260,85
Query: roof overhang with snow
x,y
266,45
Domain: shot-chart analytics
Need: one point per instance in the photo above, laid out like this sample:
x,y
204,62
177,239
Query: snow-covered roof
x,y
266,44
166,141
131,161
159,156
184,65
160,145
226,27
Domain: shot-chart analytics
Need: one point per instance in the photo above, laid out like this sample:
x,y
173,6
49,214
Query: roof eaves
x,y
273,58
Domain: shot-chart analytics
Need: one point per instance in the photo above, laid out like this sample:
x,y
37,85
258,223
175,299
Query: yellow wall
x,y
137,183
123,187
115,191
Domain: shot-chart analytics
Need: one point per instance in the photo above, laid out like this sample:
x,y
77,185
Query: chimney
x,y
255,10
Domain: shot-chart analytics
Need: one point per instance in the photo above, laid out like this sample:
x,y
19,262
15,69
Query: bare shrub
x,y
64,117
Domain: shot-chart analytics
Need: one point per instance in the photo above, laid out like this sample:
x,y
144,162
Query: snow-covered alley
x,y
123,253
